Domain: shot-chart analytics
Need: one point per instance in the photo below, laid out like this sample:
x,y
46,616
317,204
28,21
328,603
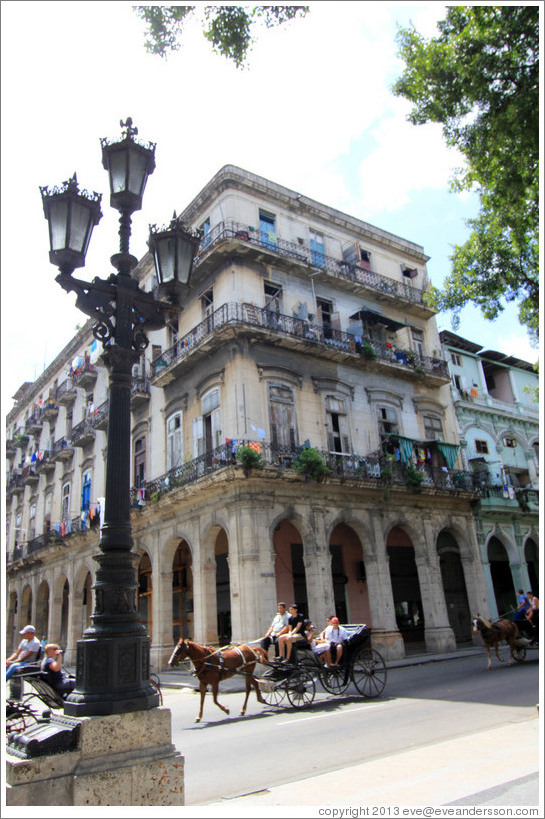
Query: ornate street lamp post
x,y
113,657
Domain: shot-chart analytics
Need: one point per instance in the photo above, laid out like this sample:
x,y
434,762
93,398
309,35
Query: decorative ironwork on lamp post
x,y
113,657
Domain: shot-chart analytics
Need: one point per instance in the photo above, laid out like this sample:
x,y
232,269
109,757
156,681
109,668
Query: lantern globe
x,y
129,163
173,249
71,215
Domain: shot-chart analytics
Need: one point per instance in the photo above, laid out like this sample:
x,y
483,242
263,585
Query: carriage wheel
x,y
19,717
520,654
369,673
333,680
156,684
275,695
301,688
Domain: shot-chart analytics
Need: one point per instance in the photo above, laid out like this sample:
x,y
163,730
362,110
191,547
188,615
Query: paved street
x,y
443,732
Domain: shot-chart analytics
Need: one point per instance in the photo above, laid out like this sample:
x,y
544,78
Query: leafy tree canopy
x,y
480,79
230,29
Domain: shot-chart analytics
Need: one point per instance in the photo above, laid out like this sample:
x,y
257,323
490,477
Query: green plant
x,y
310,464
250,459
154,497
368,351
386,474
413,477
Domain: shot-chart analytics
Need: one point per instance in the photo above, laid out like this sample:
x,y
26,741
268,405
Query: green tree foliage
x,y
480,79
230,29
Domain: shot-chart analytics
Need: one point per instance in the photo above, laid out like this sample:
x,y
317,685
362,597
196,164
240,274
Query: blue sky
x,y
313,111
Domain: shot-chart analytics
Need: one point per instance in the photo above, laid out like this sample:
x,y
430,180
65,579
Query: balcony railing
x,y
368,469
316,335
303,254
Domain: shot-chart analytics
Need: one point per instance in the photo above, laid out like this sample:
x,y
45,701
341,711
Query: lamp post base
x,y
112,677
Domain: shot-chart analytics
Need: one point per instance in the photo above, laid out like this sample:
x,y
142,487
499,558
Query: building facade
x,y
305,330
496,402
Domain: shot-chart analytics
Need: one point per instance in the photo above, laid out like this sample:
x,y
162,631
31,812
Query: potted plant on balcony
x,y
310,464
414,478
368,351
250,459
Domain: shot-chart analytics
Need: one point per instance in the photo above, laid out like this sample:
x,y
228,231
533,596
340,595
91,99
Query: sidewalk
x,y
468,770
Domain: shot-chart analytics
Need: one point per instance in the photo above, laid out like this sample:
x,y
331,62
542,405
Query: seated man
x,y
295,632
336,635
278,626
26,653
58,679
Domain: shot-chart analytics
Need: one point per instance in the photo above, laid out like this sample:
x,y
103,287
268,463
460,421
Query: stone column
x,y
317,560
250,522
386,636
438,634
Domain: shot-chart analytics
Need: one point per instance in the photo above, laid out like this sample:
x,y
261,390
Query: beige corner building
x,y
304,328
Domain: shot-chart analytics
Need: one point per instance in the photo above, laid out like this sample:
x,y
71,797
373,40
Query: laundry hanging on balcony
x,y
406,448
449,451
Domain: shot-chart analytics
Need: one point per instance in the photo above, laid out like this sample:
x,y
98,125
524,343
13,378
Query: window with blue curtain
x,y
86,493
317,248
267,229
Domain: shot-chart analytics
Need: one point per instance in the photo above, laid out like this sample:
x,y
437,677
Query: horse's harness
x,y
202,665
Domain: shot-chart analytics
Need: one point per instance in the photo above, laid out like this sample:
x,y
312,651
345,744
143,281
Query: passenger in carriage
x,y
532,615
295,633
319,645
519,616
278,626
336,635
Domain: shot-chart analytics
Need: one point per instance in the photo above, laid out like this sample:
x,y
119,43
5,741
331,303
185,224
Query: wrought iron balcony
x,y
66,392
45,464
34,424
229,236
85,376
30,476
373,471
99,418
62,450
50,410
296,334
82,434
140,391
14,484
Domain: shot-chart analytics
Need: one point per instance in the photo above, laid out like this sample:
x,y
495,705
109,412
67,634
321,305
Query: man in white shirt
x,y
26,653
336,636
279,625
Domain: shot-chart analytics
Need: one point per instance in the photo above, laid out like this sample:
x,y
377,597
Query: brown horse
x,y
212,665
494,633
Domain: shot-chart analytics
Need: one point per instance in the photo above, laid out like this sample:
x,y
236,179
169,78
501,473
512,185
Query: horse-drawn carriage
x,y
360,664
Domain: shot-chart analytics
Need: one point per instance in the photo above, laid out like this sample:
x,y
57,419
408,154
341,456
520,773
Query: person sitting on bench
x,y
336,635
28,650
58,679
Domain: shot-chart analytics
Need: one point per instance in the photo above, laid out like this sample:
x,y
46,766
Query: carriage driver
x,y
279,625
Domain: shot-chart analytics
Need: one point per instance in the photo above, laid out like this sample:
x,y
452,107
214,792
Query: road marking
x,y
335,714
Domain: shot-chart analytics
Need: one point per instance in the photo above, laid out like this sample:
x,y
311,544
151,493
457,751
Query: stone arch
x,y
348,574
42,611
11,621
26,606
145,592
223,588
531,556
289,562
82,599
182,607
409,611
454,585
500,571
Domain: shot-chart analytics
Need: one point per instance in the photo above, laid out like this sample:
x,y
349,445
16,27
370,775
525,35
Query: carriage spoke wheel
x,y
274,695
369,673
333,680
301,688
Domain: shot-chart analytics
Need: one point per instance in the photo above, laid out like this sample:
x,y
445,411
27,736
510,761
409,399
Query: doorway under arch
x,y
405,586
531,556
145,593
26,607
65,605
502,579
42,611
454,587
348,576
289,566
182,593
86,603
223,588
11,623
